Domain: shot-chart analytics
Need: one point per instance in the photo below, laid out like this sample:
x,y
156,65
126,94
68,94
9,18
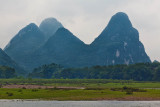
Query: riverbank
x,y
79,89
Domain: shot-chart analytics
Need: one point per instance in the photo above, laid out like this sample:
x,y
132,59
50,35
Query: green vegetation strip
x,y
79,94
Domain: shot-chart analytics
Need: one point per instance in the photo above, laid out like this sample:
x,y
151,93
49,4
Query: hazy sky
x,y
84,18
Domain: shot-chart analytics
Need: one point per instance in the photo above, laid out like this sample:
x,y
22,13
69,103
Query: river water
x,y
25,103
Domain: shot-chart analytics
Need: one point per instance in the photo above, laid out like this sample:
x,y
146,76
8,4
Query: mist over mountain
x,y
118,44
49,26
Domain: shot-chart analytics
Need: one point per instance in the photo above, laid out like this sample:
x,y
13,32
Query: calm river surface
x,y
15,103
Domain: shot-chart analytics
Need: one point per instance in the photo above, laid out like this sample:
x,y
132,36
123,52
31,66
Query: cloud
x,y
85,18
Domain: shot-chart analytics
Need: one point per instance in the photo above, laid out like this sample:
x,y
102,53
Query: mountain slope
x,y
24,43
5,60
62,48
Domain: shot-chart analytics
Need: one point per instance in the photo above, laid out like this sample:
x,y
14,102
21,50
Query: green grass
x,y
48,94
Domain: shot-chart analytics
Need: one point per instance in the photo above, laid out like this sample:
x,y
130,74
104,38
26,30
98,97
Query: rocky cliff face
x,y
119,43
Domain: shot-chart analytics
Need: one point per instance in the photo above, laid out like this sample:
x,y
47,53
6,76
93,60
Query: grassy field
x,y
94,89
52,94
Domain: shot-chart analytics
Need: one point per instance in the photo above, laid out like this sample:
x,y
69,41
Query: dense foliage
x,y
138,72
7,72
45,71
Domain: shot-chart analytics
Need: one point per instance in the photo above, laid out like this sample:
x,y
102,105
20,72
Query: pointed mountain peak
x,y
32,24
120,20
118,29
62,31
49,26
29,28
64,34
121,14
29,38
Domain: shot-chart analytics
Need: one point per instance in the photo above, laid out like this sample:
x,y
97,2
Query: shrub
x,y
94,88
19,90
34,90
9,94
129,92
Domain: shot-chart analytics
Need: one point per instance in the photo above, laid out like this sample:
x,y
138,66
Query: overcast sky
x,y
84,18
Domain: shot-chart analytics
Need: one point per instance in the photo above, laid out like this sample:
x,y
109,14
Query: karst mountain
x,y
51,42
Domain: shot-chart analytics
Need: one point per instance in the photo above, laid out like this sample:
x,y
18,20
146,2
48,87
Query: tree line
x,y
137,72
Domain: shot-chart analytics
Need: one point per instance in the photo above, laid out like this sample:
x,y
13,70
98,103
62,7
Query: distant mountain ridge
x,y
51,42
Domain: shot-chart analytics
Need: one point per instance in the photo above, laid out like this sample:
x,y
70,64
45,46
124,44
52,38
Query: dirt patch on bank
x,y
38,87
